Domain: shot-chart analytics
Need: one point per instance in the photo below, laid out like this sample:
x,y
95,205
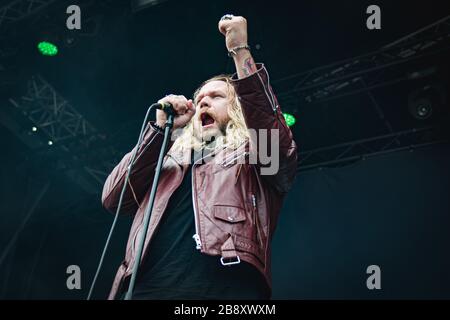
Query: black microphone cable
x,y
168,109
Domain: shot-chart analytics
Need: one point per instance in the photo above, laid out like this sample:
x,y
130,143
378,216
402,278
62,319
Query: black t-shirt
x,y
175,269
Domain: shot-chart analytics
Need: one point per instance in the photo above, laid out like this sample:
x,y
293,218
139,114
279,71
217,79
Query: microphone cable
x,y
127,177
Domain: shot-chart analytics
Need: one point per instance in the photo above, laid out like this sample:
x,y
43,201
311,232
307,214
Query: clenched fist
x,y
234,30
184,110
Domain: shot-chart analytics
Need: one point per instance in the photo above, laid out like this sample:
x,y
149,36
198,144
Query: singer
x,y
215,213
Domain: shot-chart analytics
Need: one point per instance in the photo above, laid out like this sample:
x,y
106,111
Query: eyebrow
x,y
210,92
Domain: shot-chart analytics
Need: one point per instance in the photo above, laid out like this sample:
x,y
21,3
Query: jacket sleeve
x,y
261,111
141,176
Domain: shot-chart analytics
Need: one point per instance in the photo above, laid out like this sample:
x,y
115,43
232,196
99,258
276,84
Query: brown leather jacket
x,y
236,208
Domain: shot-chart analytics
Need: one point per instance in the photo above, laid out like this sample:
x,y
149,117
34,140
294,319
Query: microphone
x,y
166,107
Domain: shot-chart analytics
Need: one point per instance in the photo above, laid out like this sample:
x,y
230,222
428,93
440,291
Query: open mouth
x,y
206,119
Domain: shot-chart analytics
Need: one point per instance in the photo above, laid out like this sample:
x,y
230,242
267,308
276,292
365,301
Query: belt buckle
x,y
237,261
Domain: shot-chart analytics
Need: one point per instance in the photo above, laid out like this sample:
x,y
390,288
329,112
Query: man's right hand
x,y
183,107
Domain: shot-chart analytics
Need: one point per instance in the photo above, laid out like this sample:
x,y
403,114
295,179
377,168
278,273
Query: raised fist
x,y
234,28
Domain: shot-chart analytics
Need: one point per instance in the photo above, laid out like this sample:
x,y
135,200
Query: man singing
x,y
215,209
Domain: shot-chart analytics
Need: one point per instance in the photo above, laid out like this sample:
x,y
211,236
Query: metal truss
x,y
368,71
344,153
80,146
19,9
53,114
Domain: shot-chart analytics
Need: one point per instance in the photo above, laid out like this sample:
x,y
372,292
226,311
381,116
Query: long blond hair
x,y
236,132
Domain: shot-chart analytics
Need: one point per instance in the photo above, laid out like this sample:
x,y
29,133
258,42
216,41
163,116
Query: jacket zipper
x,y
254,209
196,236
256,220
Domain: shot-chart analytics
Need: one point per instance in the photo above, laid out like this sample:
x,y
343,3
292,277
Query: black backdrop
x,y
392,211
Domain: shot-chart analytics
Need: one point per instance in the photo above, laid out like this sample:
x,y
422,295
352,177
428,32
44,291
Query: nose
x,y
204,102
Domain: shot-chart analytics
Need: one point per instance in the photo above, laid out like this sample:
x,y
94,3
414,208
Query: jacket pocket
x,y
229,214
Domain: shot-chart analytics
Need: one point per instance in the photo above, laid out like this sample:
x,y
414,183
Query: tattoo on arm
x,y
249,66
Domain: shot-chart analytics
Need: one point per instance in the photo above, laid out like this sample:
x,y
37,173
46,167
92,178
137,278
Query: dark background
x,y
390,209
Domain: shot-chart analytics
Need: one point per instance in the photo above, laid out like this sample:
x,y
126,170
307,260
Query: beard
x,y
210,134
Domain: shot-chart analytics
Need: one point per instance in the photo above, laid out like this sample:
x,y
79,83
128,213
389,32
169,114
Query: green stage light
x,y
290,119
47,48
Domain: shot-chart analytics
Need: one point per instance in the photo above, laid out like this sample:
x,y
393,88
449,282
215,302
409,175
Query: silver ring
x,y
227,17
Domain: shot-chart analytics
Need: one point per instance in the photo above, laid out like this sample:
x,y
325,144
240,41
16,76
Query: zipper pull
x,y
254,201
198,244
237,174
255,219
